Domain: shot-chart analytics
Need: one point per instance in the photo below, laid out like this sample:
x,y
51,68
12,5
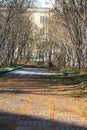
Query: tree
x,y
75,16
55,41
16,28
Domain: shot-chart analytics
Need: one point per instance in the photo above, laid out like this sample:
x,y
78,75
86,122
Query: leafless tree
x,y
75,16
55,41
16,30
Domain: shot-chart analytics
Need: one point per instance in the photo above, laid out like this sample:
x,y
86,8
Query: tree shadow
x,y
34,85
35,121
14,121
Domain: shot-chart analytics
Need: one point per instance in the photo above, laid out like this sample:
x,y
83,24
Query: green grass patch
x,y
64,80
1,78
6,68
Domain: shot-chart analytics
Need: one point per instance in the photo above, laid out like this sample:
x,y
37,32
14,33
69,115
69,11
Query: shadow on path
x,y
13,89
33,85
11,121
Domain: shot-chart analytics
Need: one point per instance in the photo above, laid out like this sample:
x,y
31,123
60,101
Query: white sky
x,y
44,3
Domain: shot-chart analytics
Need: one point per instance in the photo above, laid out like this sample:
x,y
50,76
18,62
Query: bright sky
x,y
44,3
41,3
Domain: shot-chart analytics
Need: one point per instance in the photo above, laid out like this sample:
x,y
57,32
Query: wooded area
x,y
62,41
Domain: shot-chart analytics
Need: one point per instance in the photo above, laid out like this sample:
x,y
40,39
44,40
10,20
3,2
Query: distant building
x,y
40,16
41,11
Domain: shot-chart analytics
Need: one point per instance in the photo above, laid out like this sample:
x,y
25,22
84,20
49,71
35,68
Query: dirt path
x,y
37,103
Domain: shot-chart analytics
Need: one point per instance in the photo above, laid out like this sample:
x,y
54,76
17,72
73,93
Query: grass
x,y
1,78
69,70
6,68
64,80
77,81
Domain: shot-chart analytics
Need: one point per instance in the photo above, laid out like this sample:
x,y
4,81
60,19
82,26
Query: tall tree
x,y
16,28
75,15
